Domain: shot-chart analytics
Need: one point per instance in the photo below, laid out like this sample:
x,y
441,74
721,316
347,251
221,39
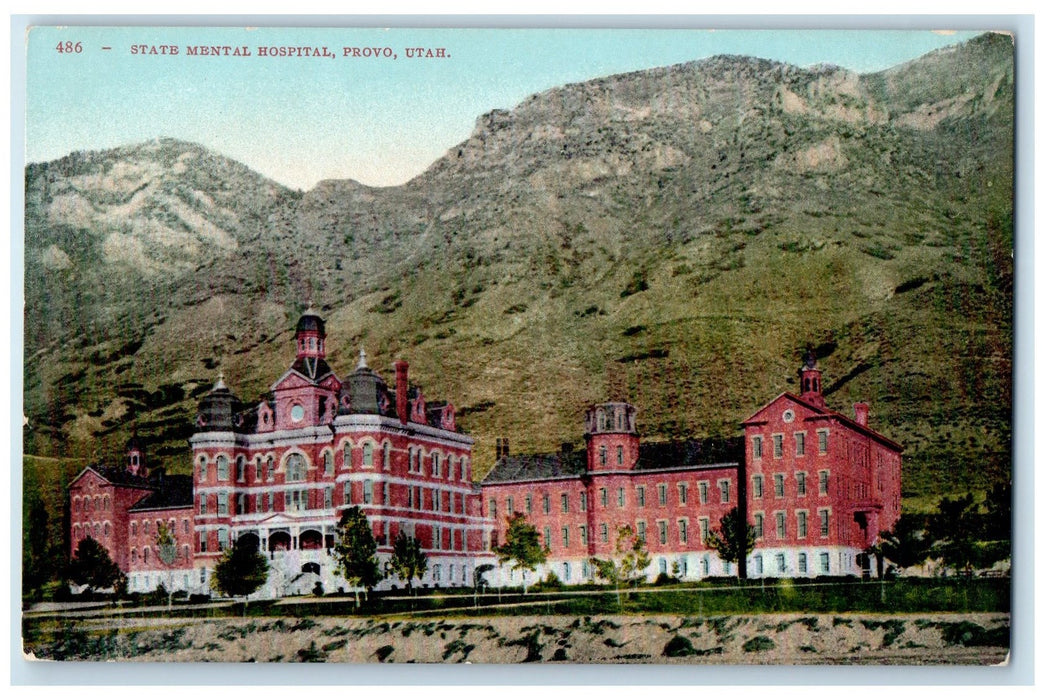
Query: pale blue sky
x,y
378,121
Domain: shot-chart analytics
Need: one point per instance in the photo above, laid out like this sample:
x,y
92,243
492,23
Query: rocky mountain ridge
x,y
675,237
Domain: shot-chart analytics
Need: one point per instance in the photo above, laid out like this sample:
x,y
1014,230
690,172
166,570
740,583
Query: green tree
x,y
92,566
241,570
906,545
167,547
522,547
629,562
954,530
408,560
732,539
355,550
998,520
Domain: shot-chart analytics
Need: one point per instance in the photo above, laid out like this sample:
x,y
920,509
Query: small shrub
x,y
613,643
311,654
334,645
678,646
384,652
559,655
759,643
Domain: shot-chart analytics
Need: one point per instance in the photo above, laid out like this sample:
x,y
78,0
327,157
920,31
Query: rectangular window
x,y
781,563
602,456
640,495
409,497
529,503
604,533
328,497
493,507
546,503
756,486
328,464
662,530
203,507
435,466
825,563
565,503
756,447
347,495
821,436
703,488
241,504
223,504
825,523
803,565
602,498
584,501
437,572
723,487
509,505
257,469
548,537
565,537
803,525
823,483
620,497
778,446
662,494
800,483
223,538
620,455
778,485
759,521
584,535
385,496
705,529
683,494
642,530
203,542
684,531
269,503
800,444
781,526
758,564
368,491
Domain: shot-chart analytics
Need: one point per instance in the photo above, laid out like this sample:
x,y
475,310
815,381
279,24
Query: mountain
x,y
675,237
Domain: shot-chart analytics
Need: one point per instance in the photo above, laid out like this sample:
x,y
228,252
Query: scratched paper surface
x,y
612,346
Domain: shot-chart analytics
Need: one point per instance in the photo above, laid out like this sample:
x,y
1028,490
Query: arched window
x,y
347,461
600,417
203,467
145,555
295,468
328,463
97,530
436,469
134,556
106,529
241,468
620,419
134,528
268,469
368,455
223,468
257,469
105,502
76,503
387,457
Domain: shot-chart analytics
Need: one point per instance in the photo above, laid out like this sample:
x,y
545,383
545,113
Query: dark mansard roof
x,y
690,453
171,492
119,476
538,466
314,368
652,456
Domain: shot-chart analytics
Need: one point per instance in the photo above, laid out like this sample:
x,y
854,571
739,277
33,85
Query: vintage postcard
x,y
631,346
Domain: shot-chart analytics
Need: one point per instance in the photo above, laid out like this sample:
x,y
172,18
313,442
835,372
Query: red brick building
x,y
279,473
817,486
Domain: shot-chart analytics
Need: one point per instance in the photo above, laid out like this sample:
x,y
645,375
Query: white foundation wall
x,y
786,562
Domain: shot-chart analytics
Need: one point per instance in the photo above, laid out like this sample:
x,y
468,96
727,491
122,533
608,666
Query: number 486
x,y
69,47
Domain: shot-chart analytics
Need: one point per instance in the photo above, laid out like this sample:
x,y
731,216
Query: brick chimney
x,y
860,410
402,406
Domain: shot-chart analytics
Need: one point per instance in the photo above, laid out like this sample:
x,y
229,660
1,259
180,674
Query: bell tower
x,y
613,442
809,378
311,336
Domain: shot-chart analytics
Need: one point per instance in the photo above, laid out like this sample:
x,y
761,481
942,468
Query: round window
x,y
789,415
297,413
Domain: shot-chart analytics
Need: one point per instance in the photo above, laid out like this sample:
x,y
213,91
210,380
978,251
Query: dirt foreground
x,y
920,639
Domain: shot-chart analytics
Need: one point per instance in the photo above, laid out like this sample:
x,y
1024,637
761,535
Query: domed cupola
x,y
367,389
311,336
215,410
136,456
